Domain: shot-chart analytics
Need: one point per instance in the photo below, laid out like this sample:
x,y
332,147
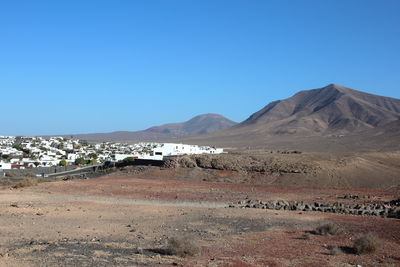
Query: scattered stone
x,y
387,210
351,197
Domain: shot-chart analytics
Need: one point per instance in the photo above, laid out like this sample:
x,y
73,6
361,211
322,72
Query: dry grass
x,y
30,182
328,229
187,162
366,244
29,175
10,174
2,183
182,247
306,236
334,251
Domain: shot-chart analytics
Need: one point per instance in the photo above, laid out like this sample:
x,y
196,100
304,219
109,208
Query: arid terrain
x,y
129,217
312,180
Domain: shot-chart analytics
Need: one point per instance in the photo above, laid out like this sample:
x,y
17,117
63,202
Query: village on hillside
x,y
30,152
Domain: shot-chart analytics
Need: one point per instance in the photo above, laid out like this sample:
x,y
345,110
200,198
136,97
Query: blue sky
x,y
98,66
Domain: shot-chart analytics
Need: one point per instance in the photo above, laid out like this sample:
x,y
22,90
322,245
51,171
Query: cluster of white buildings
x,y
157,151
30,152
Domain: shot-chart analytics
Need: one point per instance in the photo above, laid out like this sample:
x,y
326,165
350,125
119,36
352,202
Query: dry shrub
x,y
334,251
69,177
329,229
10,174
203,161
26,183
187,162
366,244
306,236
5,183
170,162
30,182
182,247
29,174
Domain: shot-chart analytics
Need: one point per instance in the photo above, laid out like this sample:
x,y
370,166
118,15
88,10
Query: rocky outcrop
x,y
388,209
265,164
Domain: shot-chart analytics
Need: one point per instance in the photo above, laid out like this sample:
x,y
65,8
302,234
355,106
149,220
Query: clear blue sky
x,y
98,66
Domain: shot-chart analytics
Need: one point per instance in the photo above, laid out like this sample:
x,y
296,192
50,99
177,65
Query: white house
x,y
119,157
72,156
5,166
157,151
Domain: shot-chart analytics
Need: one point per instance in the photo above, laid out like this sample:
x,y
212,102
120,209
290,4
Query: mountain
x,y
329,111
202,124
333,109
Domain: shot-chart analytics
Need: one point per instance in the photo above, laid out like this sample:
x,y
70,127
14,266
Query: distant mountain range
x,y
202,124
318,114
332,110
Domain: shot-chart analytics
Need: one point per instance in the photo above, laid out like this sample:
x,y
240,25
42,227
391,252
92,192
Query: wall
x,y
39,170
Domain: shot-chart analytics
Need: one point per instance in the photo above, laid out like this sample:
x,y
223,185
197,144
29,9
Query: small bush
x,y
29,174
334,251
329,229
366,244
69,177
306,236
187,162
30,182
10,174
26,183
182,247
4,183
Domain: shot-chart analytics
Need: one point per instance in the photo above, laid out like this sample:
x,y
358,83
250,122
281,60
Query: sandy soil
x,y
123,221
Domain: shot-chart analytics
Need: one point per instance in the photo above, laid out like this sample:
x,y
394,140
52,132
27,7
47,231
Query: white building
x,y
157,151
5,166
119,157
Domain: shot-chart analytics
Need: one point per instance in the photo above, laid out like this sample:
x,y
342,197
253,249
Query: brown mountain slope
x,y
202,124
331,109
316,118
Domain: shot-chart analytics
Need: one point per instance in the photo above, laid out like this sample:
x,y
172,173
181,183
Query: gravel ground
x,y
122,221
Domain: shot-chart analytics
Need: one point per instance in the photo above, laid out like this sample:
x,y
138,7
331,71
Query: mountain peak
x,y
208,115
201,124
337,87
330,109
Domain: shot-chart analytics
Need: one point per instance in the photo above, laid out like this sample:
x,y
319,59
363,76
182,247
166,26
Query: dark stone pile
x,y
383,210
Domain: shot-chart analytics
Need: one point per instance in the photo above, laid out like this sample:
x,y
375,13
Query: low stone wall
x,y
389,209
40,170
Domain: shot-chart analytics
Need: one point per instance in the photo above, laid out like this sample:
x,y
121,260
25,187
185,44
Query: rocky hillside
x,y
332,118
331,109
202,124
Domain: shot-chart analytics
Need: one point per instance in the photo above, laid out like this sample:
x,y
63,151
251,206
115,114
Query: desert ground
x,y
129,217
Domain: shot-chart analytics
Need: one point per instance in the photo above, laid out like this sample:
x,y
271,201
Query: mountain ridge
x,y
198,125
329,109
323,113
